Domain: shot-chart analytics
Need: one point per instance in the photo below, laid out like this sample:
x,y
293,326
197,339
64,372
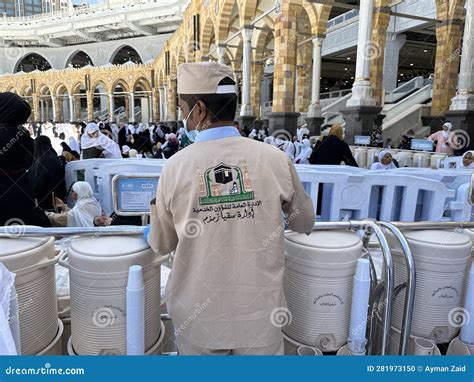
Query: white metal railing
x,y
404,89
335,94
342,18
80,10
439,193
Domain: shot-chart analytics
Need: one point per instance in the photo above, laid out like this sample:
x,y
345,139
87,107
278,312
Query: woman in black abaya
x,y
17,205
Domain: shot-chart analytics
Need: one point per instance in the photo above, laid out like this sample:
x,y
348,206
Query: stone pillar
x,y
246,111
111,107
361,114
461,111
220,53
131,109
257,74
71,107
90,106
376,49
171,98
393,44
156,102
303,78
314,118
127,108
54,107
283,116
448,52
362,94
164,105
36,108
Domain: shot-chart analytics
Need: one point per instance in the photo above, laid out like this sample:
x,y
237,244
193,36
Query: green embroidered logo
x,y
225,184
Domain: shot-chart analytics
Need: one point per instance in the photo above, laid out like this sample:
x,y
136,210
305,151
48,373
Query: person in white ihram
x,y
218,202
385,161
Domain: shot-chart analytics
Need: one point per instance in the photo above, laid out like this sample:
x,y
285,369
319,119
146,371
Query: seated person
x,y
83,212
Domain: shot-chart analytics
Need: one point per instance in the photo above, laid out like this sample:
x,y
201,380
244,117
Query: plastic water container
x,y
33,261
360,156
98,272
436,160
371,154
441,262
421,160
404,158
318,286
470,233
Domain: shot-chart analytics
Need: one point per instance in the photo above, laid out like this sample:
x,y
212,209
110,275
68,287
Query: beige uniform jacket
x,y
219,207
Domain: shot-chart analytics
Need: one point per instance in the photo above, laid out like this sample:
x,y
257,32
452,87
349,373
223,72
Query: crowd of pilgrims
x,y
33,158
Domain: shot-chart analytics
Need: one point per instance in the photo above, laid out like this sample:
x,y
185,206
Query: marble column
x,y
53,101
131,111
362,90
111,107
461,110
394,42
246,111
361,113
71,107
314,118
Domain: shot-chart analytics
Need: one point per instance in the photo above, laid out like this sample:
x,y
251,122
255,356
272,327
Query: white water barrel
x,y
441,262
470,233
436,160
371,154
404,158
33,259
421,160
98,272
319,271
360,156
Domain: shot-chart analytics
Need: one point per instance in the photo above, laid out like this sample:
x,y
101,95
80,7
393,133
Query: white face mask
x,y
193,133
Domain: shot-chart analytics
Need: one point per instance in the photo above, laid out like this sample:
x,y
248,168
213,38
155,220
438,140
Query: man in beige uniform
x,y
219,206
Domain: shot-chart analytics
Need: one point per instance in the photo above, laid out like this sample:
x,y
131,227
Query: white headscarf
x,y
86,207
449,125
378,165
73,144
111,149
269,140
305,152
471,165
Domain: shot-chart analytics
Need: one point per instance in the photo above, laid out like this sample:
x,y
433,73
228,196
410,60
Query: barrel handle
x,y
62,260
40,265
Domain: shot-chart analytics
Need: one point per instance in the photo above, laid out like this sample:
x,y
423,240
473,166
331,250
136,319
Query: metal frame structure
x,y
385,288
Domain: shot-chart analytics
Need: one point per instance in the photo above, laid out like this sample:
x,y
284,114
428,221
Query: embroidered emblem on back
x,y
225,184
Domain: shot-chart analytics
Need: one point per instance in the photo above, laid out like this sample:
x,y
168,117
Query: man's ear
x,y
202,109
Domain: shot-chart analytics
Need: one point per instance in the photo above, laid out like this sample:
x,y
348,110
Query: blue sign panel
x,y
133,194
421,145
362,140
